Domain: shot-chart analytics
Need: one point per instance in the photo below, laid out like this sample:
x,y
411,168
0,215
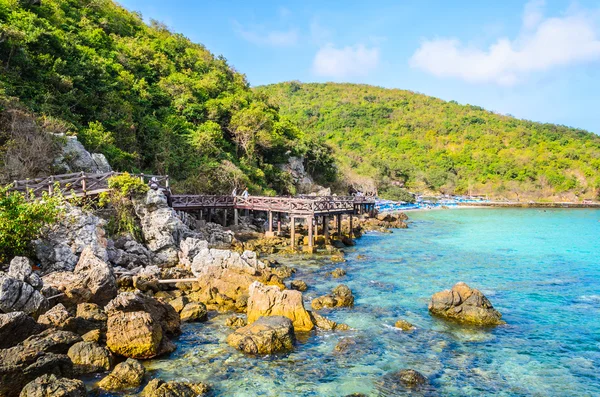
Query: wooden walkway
x,y
309,208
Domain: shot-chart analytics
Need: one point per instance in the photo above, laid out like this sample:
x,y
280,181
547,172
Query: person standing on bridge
x,y
234,193
245,193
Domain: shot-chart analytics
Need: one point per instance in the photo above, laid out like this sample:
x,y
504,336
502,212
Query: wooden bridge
x,y
309,208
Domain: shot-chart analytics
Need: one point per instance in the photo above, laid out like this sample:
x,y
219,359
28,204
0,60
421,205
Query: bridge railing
x,y
80,183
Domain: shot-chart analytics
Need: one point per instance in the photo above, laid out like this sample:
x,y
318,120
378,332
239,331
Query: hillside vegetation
x,y
150,100
385,138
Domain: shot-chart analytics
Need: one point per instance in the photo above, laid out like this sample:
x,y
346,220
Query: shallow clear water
x,y
540,269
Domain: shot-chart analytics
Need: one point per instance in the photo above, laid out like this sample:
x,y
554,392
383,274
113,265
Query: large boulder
x,y
17,295
160,388
62,244
266,335
341,296
51,386
15,328
127,374
138,326
190,247
88,357
465,305
193,311
271,301
91,281
225,275
163,230
21,268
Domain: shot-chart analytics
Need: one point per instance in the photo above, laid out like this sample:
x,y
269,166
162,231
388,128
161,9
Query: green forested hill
x,y
389,137
149,99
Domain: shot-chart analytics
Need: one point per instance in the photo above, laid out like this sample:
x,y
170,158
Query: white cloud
x,y
345,62
543,44
261,36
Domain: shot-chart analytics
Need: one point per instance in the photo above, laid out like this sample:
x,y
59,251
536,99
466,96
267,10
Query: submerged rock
x,y
341,296
271,301
337,273
326,324
466,305
234,321
127,374
404,325
298,285
160,388
397,382
266,335
51,386
15,328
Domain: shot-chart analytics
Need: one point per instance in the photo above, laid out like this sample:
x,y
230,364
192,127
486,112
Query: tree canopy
x,y
402,138
149,99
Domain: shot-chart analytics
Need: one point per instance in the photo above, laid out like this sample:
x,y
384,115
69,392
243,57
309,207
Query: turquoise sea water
x,y
540,269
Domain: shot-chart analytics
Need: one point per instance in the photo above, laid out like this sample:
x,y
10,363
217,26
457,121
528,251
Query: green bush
x,y
22,219
123,188
396,193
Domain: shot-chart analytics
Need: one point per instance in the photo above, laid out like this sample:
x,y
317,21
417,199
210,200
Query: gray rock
x,y
50,385
162,229
21,269
127,252
74,158
92,281
17,295
59,250
15,328
190,247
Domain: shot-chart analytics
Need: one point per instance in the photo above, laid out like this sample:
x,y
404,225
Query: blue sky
x,y
538,60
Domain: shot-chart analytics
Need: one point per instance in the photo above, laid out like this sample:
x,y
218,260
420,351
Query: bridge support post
x,y
326,227
279,223
293,231
350,226
236,220
224,217
269,232
315,221
209,215
339,226
311,244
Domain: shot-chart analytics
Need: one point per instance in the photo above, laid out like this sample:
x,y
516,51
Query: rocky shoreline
x,y
95,304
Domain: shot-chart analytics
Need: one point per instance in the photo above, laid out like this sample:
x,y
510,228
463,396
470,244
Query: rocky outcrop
x,y
301,178
138,326
125,251
38,355
88,357
15,328
21,269
190,247
89,317
50,385
91,281
341,296
298,285
266,335
159,388
234,321
127,374
162,229
326,324
62,244
17,295
465,305
271,301
74,158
